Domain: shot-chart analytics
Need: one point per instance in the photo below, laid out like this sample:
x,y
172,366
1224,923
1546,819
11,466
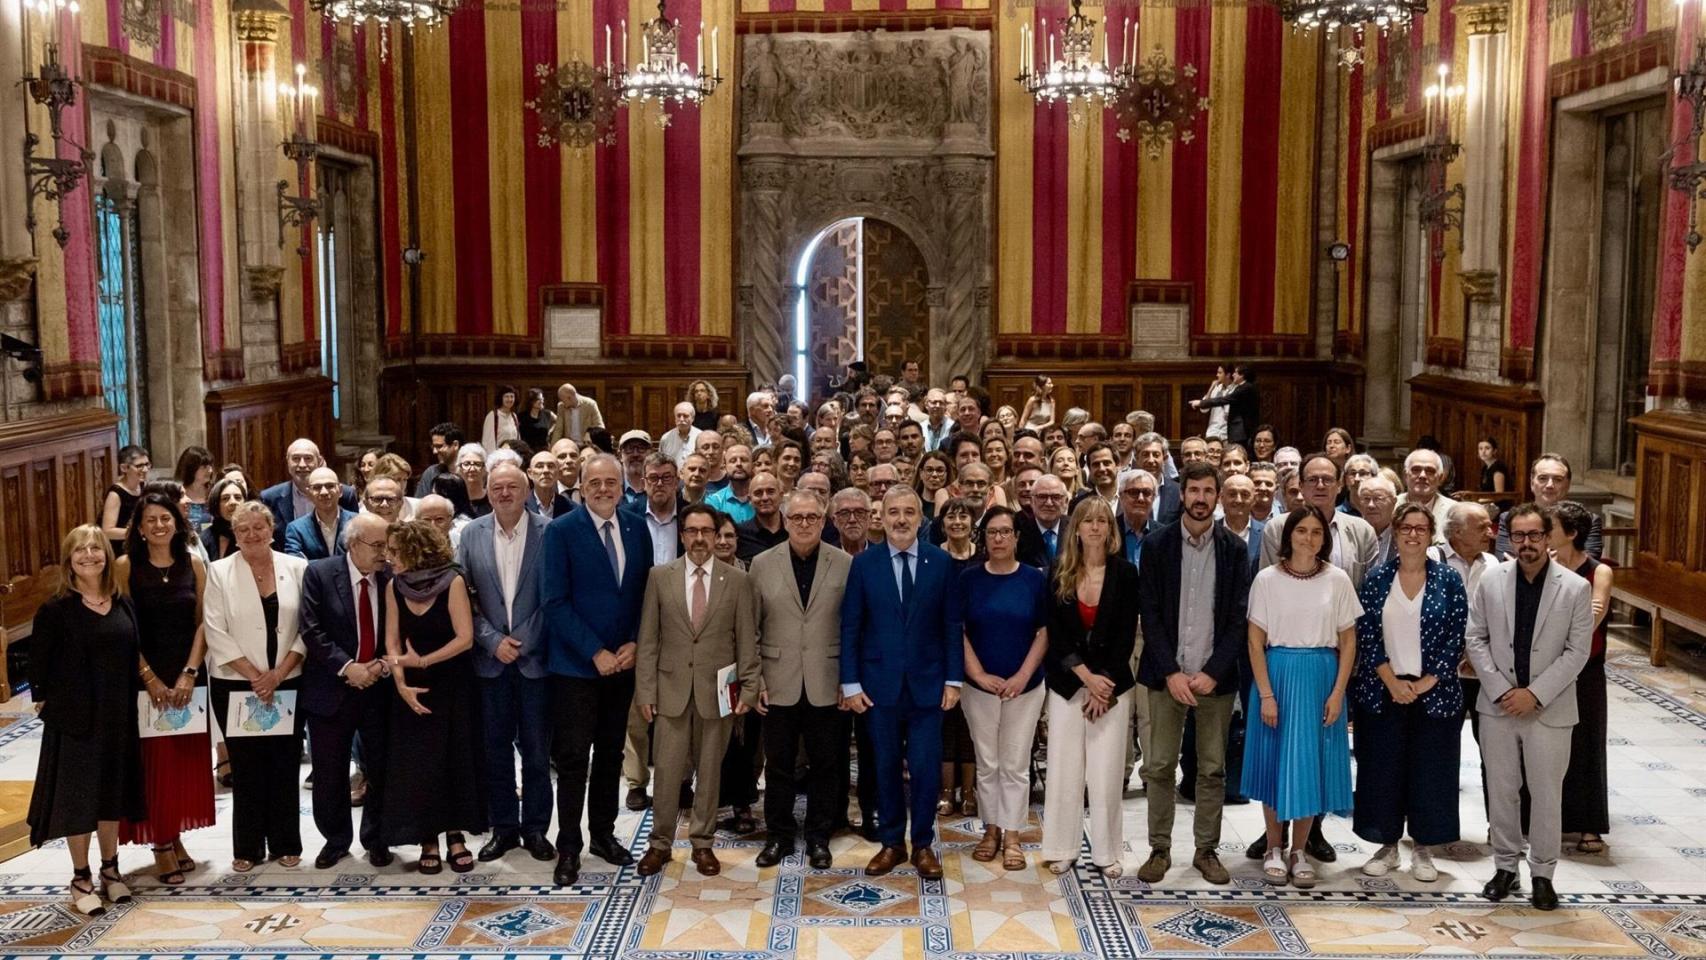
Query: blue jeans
x,y
516,716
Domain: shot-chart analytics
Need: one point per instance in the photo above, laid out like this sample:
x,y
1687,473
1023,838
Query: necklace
x,y
1286,567
164,572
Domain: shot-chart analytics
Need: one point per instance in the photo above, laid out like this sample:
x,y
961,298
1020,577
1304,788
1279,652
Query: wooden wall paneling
x,y
1670,496
255,423
1459,413
52,473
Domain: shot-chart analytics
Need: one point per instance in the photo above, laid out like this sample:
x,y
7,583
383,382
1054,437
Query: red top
x,y
1086,614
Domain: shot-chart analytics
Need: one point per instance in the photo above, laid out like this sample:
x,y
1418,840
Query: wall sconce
x,y
1441,206
298,106
51,176
1690,178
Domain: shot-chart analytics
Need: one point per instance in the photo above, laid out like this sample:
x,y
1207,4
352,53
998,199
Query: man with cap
x,y
633,447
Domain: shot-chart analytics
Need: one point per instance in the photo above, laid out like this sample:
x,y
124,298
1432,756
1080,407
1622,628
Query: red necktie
x,y
364,649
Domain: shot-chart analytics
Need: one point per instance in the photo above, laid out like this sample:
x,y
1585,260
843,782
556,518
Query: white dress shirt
x,y
508,548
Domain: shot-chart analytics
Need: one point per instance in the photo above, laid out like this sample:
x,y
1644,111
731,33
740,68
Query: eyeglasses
x,y
1531,536
1138,494
381,500
322,487
1318,481
661,478
998,533
1049,497
371,544
852,514
1413,529
805,518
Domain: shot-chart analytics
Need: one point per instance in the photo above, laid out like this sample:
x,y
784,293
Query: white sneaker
x,y
1384,861
1422,864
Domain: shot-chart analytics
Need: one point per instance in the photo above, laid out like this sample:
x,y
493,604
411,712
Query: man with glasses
x,y
292,499
1530,633
500,554
343,626
319,535
1041,536
661,511
1135,512
1151,454
1358,467
1423,471
1549,480
798,588
383,497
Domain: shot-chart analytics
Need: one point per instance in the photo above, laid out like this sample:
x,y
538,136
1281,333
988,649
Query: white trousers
x,y
1002,732
1080,754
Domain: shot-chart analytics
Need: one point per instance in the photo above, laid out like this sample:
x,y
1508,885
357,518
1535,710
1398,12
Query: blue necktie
x,y
1050,540
905,579
610,551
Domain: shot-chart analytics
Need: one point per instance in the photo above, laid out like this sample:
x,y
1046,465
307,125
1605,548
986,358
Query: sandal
x,y
290,860
1590,843
1012,855
186,863
83,897
1112,871
461,861
112,885
1302,872
166,862
239,865
987,847
224,779
430,863
945,802
1059,867
968,802
1273,867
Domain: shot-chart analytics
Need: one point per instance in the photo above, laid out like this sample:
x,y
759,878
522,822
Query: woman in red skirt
x,y
165,583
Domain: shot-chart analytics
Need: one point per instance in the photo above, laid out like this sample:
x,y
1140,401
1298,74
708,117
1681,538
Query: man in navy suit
x,y
902,659
345,685
290,499
320,534
500,553
592,582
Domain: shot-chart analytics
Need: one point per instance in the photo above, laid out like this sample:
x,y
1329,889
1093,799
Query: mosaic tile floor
x,y
1646,897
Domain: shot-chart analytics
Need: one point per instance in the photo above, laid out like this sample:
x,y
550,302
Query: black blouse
x,y
1107,646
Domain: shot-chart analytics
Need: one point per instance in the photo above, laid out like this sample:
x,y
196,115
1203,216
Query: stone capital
x,y
1485,16
1480,286
258,20
262,280
15,275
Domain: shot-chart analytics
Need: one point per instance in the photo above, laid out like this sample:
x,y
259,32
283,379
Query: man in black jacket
x,y
1243,403
1191,595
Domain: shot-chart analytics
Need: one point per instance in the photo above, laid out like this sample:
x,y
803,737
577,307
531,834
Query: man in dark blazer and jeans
x,y
1192,590
345,685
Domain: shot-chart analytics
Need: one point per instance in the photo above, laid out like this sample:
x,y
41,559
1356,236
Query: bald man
x,y
290,499
319,534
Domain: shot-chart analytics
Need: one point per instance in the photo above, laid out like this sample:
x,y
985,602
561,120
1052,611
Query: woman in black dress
x,y
82,669
119,502
537,419
1585,808
164,582
435,785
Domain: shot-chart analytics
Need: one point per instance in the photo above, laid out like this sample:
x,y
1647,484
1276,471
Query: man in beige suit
x,y
696,619
575,415
797,587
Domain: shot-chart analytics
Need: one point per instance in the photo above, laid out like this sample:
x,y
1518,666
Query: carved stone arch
x,y
147,168
889,126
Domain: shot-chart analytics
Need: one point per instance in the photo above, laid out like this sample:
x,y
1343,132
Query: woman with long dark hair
x,y
1585,811
503,421
537,419
195,472
217,539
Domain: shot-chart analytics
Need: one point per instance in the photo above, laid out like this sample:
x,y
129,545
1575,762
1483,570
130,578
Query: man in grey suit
x,y
797,587
1530,632
500,554
696,620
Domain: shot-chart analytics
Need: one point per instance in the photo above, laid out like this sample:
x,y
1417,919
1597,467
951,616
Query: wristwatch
x,y
192,672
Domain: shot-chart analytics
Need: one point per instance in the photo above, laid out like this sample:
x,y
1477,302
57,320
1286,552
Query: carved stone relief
x,y
889,126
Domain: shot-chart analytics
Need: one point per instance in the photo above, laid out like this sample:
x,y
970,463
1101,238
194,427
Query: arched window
x,y
851,234
119,298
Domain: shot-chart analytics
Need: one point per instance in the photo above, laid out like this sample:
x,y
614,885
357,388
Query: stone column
x,y
17,254
958,325
1484,145
255,112
764,297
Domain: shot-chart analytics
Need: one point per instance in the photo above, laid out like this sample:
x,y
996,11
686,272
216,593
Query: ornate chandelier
x,y
576,105
1441,204
1162,103
662,75
406,13
1075,76
1332,14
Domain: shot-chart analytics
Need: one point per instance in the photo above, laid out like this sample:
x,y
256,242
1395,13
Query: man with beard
x,y
734,498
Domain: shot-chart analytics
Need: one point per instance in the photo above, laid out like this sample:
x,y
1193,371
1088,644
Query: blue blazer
x,y
283,506
302,537
491,620
1445,616
331,631
884,645
586,610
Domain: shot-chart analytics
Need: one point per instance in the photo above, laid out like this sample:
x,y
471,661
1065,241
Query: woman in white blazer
x,y
254,653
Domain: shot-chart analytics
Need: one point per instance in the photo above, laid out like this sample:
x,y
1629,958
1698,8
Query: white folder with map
x,y
247,716
171,721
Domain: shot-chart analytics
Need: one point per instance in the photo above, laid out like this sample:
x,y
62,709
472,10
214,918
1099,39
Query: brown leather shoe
x,y
886,859
924,859
706,862
989,846
652,861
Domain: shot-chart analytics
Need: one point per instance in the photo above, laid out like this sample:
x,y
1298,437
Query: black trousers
x,y
266,777
331,746
825,737
743,762
591,723
1406,775
858,725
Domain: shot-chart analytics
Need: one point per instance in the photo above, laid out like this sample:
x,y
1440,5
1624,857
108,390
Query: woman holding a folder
x,y
249,616
164,582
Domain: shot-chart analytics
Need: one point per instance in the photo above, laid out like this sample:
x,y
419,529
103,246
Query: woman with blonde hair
x,y
249,616
1092,629
83,661
1063,463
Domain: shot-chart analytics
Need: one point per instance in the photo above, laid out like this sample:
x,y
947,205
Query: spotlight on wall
x,y
26,353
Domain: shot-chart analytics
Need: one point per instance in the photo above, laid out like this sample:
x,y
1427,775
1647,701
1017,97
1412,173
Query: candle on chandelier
x,y
624,40
699,48
715,70
607,61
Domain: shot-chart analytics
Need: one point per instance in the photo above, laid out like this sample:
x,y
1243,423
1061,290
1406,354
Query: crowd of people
x,y
898,596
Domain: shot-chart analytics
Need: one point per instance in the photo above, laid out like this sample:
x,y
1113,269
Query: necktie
x,y
610,550
364,621
1050,540
699,598
905,579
